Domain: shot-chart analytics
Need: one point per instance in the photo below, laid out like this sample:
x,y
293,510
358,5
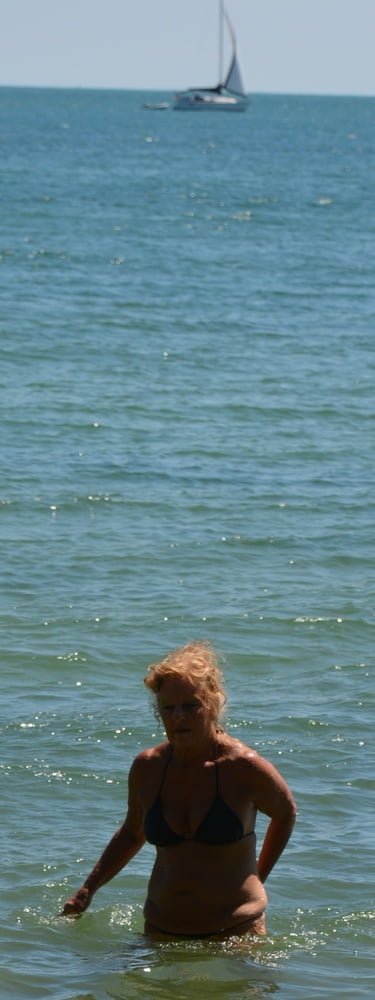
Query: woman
x,y
195,797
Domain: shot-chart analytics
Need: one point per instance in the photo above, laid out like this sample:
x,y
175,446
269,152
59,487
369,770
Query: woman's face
x,y
186,718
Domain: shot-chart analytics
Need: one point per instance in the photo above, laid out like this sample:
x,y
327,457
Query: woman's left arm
x,y
273,797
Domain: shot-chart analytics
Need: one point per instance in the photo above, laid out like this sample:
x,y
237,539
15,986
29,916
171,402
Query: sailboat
x,y
230,94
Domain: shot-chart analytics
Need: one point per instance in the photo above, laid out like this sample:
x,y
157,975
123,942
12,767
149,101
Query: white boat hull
x,y
201,100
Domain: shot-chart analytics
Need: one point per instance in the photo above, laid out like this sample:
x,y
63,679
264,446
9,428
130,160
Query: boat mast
x,y
221,25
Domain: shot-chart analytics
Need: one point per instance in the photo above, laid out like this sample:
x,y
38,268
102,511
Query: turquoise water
x,y
187,404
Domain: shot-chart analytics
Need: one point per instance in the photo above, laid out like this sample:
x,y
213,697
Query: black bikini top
x,y
220,825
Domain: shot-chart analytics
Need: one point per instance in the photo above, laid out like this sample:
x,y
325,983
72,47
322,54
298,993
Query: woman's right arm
x,y
125,843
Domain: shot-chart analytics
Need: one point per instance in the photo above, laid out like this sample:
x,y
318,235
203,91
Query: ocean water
x,y
187,451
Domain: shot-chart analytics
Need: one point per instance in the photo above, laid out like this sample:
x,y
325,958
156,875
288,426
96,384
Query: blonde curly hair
x,y
196,662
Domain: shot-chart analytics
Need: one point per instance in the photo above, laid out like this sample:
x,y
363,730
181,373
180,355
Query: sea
x,y
187,452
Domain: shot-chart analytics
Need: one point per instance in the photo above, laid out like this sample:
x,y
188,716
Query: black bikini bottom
x,y
241,928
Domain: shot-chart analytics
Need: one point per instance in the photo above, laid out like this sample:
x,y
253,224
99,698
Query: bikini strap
x,y
216,770
166,766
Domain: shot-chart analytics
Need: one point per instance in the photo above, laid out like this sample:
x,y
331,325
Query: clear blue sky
x,y
285,46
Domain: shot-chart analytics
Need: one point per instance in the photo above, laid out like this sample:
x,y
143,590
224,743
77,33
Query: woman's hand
x,y
78,903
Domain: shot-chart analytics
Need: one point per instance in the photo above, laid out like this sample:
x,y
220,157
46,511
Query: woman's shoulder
x,y
245,767
146,769
235,751
145,774
248,766
151,757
